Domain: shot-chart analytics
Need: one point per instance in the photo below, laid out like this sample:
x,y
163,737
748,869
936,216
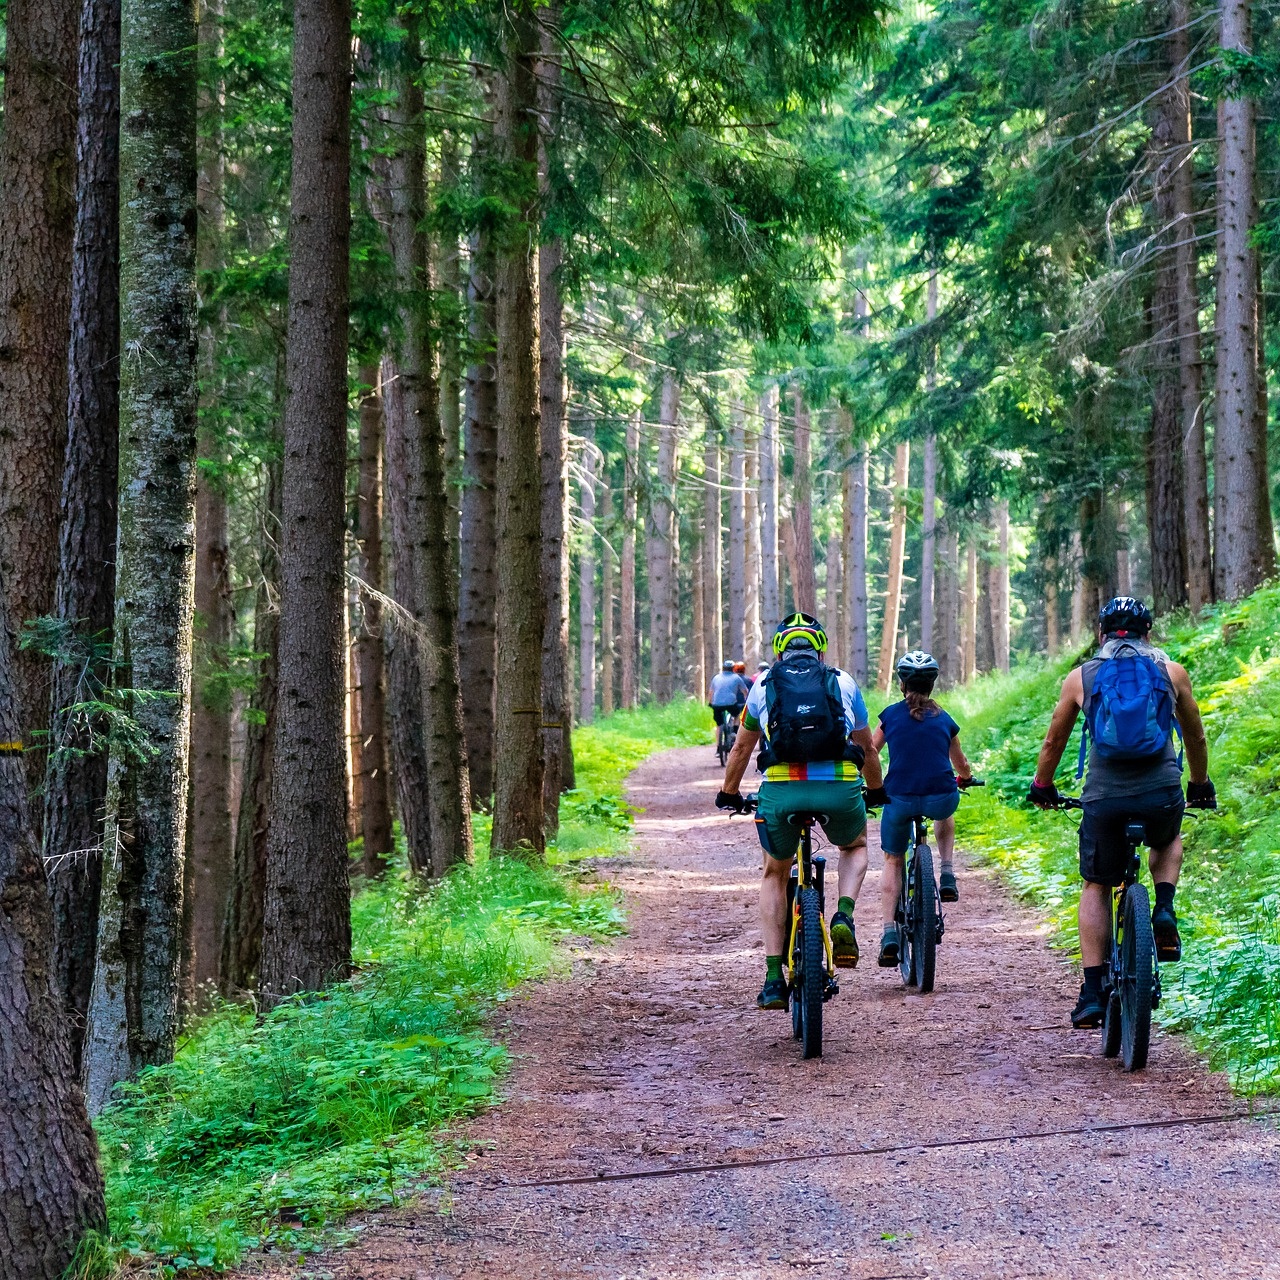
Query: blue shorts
x,y
895,819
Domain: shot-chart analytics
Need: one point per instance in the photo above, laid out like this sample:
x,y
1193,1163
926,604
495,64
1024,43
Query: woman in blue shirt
x,y
926,770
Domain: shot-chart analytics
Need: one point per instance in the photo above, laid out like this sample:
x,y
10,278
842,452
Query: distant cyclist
x,y
927,767
728,694
814,724
1131,694
759,671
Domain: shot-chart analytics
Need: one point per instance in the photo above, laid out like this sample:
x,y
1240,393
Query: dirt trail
x,y
652,1055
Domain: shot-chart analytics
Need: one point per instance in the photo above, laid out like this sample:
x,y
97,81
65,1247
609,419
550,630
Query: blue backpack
x,y
1128,708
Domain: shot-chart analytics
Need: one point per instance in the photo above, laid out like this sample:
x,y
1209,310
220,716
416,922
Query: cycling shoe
x,y
844,942
1090,1009
948,890
889,947
1164,924
773,995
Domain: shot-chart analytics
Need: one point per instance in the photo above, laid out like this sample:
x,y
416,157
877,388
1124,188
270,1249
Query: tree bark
x,y
76,780
662,590
450,292
477,618
242,925
1176,108
928,546
404,678
854,485
50,1187
606,598
998,590
306,941
37,225
803,582
698,678
375,808
831,606
969,634
751,518
518,817
423,453
770,595
133,1007
1079,601
712,572
627,588
897,546
947,594
210,813
1244,552
735,642
587,591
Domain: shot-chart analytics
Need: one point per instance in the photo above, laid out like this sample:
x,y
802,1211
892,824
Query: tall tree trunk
x,y
1176,107
242,925
1079,596
477,615
1052,623
209,840
854,485
627,587
518,817
998,590
351,712
1124,566
788,536
832,609
50,1187
606,598
803,582
451,305
662,582
404,678
37,225
897,546
306,940
423,451
751,518
1244,553
698,678
969,632
587,591
375,807
735,645
928,546
947,594
1098,561
770,595
133,1007
76,781
712,572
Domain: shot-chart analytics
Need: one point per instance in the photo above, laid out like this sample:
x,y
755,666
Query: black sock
x,y
1164,895
1094,974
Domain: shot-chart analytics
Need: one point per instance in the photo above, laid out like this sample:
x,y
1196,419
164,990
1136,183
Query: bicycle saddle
x,y
1136,832
808,819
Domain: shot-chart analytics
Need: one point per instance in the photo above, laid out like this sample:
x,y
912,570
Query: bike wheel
x,y
924,943
906,906
1111,1026
1137,978
812,972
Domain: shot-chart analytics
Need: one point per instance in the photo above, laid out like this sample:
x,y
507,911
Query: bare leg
x,y
773,904
853,868
1095,923
891,885
1166,863
944,830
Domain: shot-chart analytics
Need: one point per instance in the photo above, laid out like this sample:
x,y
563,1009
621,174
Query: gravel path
x,y
651,1055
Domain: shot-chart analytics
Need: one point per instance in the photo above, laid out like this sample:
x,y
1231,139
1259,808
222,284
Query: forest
x,y
406,409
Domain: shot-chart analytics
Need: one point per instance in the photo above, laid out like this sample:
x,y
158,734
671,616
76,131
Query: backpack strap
x,y
1087,674
1177,728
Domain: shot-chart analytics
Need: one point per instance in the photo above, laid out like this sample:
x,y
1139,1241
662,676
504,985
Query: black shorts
x,y
1103,848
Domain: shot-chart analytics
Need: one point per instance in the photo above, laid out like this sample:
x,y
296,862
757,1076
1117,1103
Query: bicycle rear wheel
x,y
1137,978
811,972
924,918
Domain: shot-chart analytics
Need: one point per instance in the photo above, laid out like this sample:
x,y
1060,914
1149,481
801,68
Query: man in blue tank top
x,y
1120,791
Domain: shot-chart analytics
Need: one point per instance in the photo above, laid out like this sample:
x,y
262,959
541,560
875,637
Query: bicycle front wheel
x,y
811,972
1137,978
924,919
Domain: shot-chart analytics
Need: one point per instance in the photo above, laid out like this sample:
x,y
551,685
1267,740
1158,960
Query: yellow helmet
x,y
803,627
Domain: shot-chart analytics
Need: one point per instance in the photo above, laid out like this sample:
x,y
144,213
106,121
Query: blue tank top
x,y
919,752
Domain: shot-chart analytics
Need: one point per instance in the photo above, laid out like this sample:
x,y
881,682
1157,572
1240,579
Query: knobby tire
x,y
812,972
924,919
1137,978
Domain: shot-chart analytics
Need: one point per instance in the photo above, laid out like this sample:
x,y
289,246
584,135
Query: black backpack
x,y
804,712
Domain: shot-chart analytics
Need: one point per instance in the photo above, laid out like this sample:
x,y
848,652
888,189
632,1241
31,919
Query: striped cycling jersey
x,y
818,771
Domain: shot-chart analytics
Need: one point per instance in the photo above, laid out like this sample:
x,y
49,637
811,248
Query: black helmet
x,y
918,670
1123,616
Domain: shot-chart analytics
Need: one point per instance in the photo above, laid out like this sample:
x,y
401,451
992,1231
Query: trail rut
x,y
651,1055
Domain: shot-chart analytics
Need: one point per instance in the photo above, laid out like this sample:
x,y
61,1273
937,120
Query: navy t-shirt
x,y
919,752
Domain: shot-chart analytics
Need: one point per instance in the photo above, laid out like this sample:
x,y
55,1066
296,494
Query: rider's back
x,y
919,750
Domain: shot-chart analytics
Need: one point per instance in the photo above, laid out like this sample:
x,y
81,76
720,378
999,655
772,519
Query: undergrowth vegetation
x,y
1226,992
270,1130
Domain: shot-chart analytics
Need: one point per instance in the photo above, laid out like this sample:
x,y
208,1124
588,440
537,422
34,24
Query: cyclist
x,y
927,768
1134,775
728,694
814,723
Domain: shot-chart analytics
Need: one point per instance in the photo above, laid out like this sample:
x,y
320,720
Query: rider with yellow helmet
x,y
813,722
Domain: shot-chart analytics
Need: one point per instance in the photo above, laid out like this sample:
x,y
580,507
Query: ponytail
x,y
920,704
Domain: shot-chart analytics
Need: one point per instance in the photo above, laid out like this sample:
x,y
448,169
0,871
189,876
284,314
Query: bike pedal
x,y
832,988
1156,992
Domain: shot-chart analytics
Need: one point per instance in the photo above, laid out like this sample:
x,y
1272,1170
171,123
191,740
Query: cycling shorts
x,y
721,714
841,802
1103,847
895,817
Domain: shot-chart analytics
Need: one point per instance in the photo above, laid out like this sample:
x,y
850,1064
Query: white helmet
x,y
918,666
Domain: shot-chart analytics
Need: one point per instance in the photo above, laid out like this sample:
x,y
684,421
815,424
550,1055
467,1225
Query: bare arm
x,y
871,765
739,758
1060,726
958,760
1188,713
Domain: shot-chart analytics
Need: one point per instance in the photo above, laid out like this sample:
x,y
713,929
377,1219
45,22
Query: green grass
x,y
1226,992
269,1131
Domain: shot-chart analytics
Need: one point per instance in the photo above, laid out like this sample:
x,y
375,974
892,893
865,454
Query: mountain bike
x,y
812,977
726,735
919,917
1133,975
